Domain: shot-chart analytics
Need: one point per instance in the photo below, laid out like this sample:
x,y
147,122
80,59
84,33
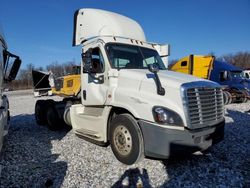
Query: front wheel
x,y
126,139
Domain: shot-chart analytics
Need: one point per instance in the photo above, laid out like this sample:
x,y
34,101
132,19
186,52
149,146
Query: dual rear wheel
x,y
46,114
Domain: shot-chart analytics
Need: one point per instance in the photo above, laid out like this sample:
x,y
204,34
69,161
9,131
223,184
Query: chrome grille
x,y
205,106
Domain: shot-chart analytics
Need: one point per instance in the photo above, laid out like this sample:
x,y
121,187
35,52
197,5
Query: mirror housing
x,y
154,68
225,75
14,70
87,61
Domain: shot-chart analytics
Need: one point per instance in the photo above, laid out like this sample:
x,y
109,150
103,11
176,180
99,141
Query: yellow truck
x,y
195,65
68,85
45,83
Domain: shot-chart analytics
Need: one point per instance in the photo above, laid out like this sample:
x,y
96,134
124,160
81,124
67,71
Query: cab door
x,y
94,83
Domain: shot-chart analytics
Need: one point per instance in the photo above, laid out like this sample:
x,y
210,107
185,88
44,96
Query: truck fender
x,y
113,113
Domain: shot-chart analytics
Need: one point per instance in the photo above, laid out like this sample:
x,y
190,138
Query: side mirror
x,y
87,59
14,70
154,68
225,75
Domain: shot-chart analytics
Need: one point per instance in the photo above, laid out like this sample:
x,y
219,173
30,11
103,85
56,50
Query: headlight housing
x,y
166,116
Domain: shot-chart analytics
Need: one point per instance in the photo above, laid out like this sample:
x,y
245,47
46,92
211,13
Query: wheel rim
x,y
122,140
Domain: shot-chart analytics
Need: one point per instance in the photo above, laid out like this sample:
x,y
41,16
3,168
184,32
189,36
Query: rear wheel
x,y
40,112
53,119
126,139
246,95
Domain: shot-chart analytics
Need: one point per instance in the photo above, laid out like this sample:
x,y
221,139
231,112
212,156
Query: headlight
x,y
166,116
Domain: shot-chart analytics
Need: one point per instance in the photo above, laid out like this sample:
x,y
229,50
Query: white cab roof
x,y
91,23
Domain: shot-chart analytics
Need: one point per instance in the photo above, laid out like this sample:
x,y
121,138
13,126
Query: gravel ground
x,y
33,156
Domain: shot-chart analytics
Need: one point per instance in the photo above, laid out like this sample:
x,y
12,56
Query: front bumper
x,y
163,143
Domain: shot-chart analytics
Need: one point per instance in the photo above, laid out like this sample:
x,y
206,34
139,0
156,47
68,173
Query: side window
x,y
184,63
97,61
247,75
223,76
149,61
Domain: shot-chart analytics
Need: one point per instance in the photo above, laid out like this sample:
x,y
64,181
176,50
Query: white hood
x,y
136,91
139,78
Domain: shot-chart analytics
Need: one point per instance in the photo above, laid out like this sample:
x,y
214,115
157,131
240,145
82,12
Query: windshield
x,y
237,74
123,56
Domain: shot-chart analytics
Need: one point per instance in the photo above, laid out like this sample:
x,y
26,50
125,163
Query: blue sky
x,y
41,31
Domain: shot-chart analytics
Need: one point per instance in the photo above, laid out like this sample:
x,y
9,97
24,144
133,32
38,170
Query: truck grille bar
x,y
204,106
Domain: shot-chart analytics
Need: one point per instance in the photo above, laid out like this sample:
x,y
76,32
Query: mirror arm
x,y
160,89
154,69
12,55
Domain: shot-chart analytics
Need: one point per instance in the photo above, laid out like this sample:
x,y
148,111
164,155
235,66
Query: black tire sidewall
x,y
53,119
40,112
130,123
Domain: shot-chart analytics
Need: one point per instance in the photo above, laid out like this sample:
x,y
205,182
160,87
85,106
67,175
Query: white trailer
x,y
128,97
8,73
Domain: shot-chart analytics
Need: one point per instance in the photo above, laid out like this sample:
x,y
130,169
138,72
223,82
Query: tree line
x,y
240,59
24,77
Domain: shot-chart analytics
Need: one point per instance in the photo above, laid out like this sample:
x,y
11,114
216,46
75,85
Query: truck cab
x,y
233,77
128,98
8,73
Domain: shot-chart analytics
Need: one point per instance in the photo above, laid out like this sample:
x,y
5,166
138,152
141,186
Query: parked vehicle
x,y
129,99
46,84
8,72
236,87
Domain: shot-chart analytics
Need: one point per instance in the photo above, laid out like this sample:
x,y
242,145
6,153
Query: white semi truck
x,y
129,99
8,72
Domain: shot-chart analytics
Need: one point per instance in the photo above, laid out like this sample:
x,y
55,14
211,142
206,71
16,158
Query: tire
x,y
40,112
225,97
246,95
126,139
53,119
